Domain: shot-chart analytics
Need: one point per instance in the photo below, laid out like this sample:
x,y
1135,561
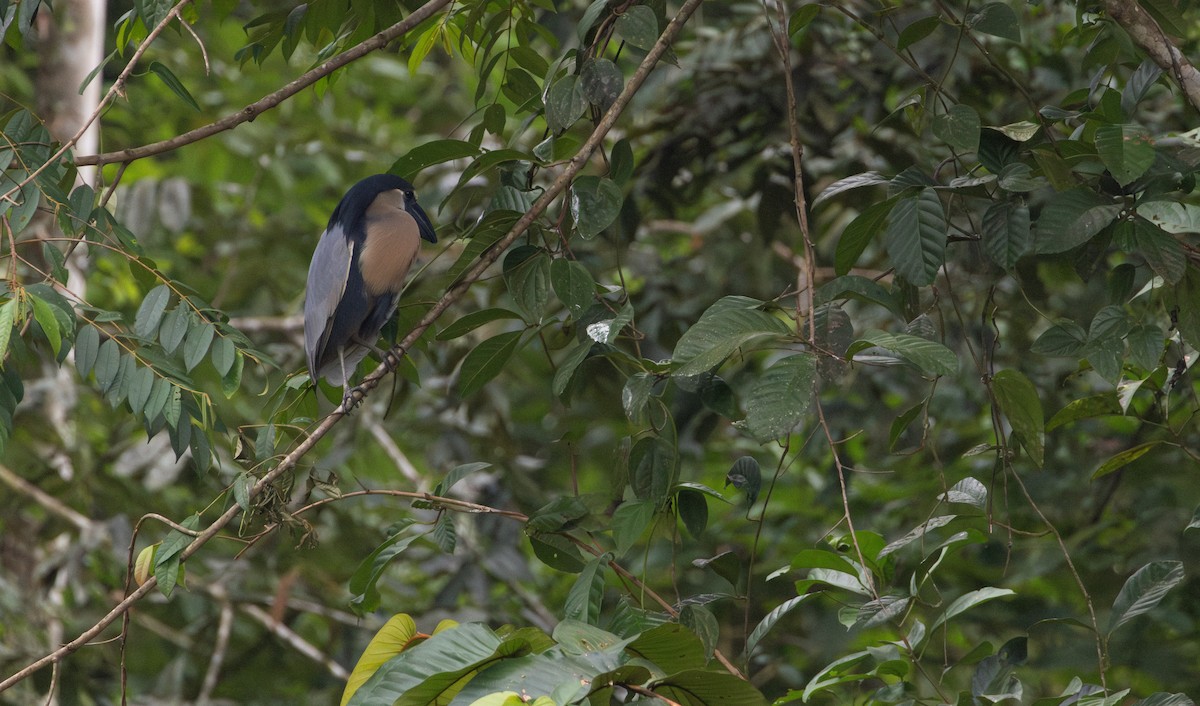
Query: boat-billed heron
x,y
357,272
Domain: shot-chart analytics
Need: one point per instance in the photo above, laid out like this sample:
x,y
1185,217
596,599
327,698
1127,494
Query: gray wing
x,y
327,276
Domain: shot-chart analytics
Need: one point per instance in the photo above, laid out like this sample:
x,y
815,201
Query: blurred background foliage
x,y
706,210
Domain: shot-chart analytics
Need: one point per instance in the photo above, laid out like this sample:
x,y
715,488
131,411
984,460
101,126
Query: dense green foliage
x,y
913,425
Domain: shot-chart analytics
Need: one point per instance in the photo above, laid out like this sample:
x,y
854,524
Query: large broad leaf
x,y
726,326
695,687
527,275
781,396
449,654
916,237
583,600
486,360
1006,233
998,20
929,356
777,613
1162,251
391,640
969,600
432,153
1187,303
1144,590
1019,401
1127,151
859,233
850,182
595,204
958,127
1124,458
1062,226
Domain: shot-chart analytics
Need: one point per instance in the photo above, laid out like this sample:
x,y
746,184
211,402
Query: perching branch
x,y
269,101
552,192
1144,30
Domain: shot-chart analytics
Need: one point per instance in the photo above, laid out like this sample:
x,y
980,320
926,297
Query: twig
x,y
392,357
271,100
220,646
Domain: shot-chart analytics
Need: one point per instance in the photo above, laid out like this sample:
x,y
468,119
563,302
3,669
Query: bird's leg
x,y
347,391
381,353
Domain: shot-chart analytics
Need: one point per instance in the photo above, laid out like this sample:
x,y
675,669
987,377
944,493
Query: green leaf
x,y
607,330
1061,226
1124,458
87,342
44,315
1063,339
671,647
746,476
363,582
458,473
719,332
636,394
1085,408
652,469
917,31
859,234
565,103
440,661
970,600
630,521
140,385
159,394
1146,345
958,127
590,17
638,26
1143,591
931,357
695,687
108,365
1162,251
1006,233
916,237
856,181
172,82
566,370
998,20
430,153
700,620
486,360
8,313
174,328
693,510
1187,303
231,380
802,18
602,82
223,355
586,594
150,313
573,284
474,320
395,635
770,619
595,204
1171,216
1019,401
1127,151
195,346
780,397
527,275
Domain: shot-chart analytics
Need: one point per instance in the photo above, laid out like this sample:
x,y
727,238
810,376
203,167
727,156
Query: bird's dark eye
x,y
411,195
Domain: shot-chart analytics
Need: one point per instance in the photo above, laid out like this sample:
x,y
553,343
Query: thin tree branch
x,y
47,501
573,167
269,101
